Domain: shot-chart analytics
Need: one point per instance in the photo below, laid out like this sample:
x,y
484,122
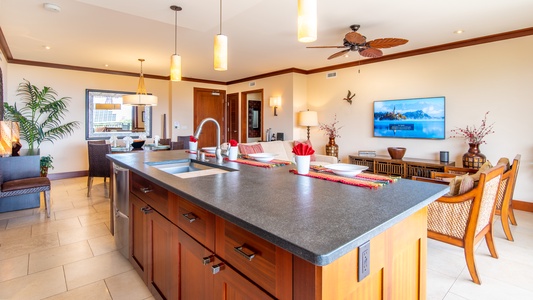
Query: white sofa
x,y
283,149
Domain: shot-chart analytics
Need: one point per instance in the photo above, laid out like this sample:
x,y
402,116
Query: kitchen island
x,y
303,233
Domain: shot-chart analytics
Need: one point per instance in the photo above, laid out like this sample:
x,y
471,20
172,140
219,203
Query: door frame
x,y
244,113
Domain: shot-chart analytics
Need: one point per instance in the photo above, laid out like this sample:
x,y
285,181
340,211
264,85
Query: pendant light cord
x,y
175,32
220,17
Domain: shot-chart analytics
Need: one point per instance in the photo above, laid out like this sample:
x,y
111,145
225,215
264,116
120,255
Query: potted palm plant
x,y
40,117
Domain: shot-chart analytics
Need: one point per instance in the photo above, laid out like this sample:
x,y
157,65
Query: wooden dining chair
x,y
463,220
185,140
99,165
176,145
504,202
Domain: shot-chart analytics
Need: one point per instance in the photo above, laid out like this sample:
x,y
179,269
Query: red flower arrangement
x,y
233,143
193,139
472,134
330,129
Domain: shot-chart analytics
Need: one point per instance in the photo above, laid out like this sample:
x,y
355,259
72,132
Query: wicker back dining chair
x,y
464,220
504,202
99,165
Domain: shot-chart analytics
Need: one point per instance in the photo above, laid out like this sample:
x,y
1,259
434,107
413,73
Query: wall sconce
x,y
275,102
308,118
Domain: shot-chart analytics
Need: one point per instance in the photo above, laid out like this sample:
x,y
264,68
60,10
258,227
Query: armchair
x,y
463,220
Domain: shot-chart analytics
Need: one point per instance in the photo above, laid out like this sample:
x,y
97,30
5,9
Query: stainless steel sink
x,y
187,168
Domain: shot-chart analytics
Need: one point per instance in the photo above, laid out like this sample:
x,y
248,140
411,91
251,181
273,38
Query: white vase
x,y
303,163
233,153
193,146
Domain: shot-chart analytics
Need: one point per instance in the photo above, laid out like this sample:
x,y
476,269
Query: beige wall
x,y
70,154
281,85
496,77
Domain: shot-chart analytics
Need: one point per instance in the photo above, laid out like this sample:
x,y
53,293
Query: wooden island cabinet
x,y
183,251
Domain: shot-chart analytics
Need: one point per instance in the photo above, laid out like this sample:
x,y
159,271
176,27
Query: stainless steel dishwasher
x,y
121,208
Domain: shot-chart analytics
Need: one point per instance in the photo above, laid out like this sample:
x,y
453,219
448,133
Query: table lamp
x,y
308,118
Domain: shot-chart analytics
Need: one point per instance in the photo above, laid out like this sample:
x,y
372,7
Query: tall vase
x,y
473,158
332,149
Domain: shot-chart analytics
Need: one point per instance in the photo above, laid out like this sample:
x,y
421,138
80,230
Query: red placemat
x,y
272,164
370,181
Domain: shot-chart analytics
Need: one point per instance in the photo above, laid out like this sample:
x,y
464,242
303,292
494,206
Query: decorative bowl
x,y
396,152
137,144
209,149
348,170
263,157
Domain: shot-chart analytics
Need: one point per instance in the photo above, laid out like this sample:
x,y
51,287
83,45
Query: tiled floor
x,y
72,255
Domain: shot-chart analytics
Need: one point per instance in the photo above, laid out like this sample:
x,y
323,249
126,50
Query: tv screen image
x,y
419,118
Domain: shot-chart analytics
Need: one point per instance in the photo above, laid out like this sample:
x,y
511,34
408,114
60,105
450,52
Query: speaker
x,y
444,156
279,136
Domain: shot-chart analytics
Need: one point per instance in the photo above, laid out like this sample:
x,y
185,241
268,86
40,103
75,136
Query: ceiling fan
x,y
355,41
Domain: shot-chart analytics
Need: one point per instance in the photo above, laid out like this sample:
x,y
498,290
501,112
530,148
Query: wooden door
x,y
137,235
245,115
209,104
196,278
232,114
160,253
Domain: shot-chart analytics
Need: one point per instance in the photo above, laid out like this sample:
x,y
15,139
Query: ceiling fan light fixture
x,y
141,97
175,59
307,21
220,49
221,52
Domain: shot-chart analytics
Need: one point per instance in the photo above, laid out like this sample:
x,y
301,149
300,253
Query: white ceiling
x,y
261,33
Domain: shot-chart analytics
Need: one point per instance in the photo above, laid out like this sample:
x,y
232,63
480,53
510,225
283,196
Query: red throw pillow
x,y
308,143
250,149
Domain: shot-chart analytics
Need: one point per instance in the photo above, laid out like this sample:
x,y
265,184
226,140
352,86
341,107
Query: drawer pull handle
x,y
190,216
146,190
147,210
248,256
207,260
217,268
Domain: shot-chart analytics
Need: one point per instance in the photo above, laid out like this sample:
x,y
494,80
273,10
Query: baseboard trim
x,y
523,205
66,175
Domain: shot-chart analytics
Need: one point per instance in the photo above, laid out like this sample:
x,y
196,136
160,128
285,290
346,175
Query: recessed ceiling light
x,y
459,31
47,47
52,7
106,65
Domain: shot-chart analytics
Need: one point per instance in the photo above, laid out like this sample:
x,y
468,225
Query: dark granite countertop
x,y
314,219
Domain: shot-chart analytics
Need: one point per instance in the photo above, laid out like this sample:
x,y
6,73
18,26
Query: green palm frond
x,y
41,115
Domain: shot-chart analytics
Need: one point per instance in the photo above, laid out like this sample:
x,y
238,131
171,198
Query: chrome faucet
x,y
218,152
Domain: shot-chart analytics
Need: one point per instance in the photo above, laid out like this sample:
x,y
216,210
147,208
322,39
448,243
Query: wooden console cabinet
x,y
406,167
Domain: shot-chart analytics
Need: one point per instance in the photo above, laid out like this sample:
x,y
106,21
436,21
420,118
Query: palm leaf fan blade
x,y
371,52
340,53
387,42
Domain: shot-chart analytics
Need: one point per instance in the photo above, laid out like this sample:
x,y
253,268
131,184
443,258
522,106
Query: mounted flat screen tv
x,y
417,118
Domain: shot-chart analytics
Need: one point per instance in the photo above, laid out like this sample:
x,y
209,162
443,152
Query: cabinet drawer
x,y
194,220
152,194
262,262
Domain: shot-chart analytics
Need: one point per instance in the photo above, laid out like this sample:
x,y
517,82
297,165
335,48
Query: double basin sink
x,y
187,168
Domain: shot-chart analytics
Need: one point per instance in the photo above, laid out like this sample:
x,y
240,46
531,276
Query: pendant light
x,y
175,59
221,48
307,20
141,97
